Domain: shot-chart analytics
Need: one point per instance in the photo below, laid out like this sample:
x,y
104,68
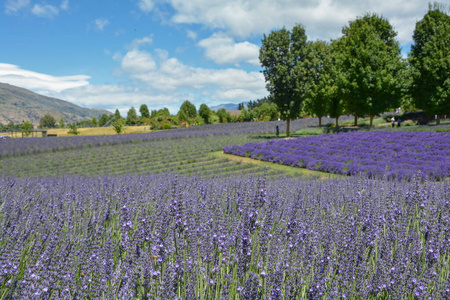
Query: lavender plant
x,y
243,237
372,153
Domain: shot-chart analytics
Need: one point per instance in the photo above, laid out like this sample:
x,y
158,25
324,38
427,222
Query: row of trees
x,y
362,73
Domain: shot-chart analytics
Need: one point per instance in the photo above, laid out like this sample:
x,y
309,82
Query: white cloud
x,y
13,6
223,50
135,44
323,19
146,5
64,5
138,62
101,23
170,75
14,75
191,34
44,11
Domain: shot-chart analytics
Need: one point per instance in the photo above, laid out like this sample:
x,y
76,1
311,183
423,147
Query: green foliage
x,y
26,128
320,89
62,123
132,118
119,125
223,115
280,55
47,121
430,60
373,70
188,109
94,122
103,120
117,114
205,112
73,129
143,110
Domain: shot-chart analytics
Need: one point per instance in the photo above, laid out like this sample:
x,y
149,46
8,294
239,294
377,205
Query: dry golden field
x,y
99,130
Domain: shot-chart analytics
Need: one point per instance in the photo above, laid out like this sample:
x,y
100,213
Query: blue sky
x,y
115,54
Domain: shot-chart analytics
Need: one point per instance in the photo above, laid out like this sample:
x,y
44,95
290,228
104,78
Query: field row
x,y
165,236
397,154
182,155
21,146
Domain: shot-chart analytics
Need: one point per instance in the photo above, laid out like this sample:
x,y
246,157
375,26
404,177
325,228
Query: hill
x,y
19,105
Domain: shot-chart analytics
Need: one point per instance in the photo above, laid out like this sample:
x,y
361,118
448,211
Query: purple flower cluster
x,y
393,154
172,237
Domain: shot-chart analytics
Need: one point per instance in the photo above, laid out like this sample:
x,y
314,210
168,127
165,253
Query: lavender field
x,y
390,154
157,216
170,237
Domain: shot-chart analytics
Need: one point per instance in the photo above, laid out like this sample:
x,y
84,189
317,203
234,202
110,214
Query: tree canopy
x,y
370,55
132,118
280,53
47,121
430,61
143,110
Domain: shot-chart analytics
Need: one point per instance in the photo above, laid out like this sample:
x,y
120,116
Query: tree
x,y
94,122
132,117
205,112
62,123
143,110
47,121
280,53
26,128
73,129
119,125
374,70
430,60
316,69
189,109
103,120
223,115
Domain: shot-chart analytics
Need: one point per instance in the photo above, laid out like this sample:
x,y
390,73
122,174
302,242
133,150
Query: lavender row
x,y
170,237
372,153
20,146
188,155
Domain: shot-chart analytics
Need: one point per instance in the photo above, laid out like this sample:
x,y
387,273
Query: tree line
x,y
362,73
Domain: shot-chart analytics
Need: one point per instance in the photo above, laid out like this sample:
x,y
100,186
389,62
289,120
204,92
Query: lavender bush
x,y
170,237
392,154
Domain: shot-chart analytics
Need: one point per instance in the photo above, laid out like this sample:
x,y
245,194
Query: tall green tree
x,y
374,68
205,112
316,68
430,60
143,110
132,118
103,120
47,121
189,109
280,54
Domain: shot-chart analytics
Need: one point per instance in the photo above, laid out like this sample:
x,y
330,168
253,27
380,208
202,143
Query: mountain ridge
x,y
19,105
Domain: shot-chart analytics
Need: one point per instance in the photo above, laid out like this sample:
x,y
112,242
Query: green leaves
x,y
430,60
280,54
370,56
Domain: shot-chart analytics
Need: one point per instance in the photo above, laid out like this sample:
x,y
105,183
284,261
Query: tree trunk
x,y
438,120
356,121
320,121
371,120
337,123
288,126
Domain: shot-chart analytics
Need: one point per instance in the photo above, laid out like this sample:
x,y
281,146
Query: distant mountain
x,y
228,106
19,105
